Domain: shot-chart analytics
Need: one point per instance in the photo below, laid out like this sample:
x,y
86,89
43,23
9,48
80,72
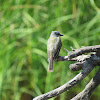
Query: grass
x,y
25,27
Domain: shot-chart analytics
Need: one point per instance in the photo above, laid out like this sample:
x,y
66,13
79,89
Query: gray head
x,y
55,34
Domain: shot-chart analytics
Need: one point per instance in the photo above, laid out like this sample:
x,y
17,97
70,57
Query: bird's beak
x,y
61,35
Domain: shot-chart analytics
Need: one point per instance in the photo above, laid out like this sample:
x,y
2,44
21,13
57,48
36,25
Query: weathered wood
x,y
84,62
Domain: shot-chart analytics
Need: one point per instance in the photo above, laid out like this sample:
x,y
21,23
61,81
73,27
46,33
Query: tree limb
x,y
83,50
90,87
84,62
66,86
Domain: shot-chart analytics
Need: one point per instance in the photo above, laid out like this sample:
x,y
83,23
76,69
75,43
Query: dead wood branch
x,y
90,87
84,62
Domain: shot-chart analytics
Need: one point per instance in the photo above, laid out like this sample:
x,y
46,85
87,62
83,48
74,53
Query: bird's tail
x,y
50,68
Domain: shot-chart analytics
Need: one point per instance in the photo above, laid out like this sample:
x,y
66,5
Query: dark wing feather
x,y
58,49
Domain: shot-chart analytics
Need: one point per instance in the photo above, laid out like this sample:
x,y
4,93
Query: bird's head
x,y
56,34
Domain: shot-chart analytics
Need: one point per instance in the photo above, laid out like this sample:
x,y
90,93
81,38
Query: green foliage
x,y
25,26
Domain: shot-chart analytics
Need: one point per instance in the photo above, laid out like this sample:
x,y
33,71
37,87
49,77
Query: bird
x,y
53,48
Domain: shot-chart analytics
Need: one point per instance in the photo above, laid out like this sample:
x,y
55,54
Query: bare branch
x,y
86,63
83,50
68,85
62,58
72,48
74,55
92,59
76,66
90,87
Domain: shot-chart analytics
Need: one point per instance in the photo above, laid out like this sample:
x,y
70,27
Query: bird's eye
x,y
57,33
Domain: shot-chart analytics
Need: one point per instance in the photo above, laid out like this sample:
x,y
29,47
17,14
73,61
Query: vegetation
x,y
25,26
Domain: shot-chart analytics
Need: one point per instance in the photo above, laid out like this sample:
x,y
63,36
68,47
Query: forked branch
x,y
84,62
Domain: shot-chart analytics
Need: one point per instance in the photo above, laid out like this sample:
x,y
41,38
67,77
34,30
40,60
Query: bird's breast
x,y
53,43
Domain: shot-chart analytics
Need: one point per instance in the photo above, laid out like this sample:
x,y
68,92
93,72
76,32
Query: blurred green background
x,y
25,26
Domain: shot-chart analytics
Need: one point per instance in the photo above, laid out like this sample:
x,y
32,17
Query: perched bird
x,y
53,48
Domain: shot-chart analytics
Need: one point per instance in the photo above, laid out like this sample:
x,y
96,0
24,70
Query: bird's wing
x,y
53,47
50,50
50,53
59,44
